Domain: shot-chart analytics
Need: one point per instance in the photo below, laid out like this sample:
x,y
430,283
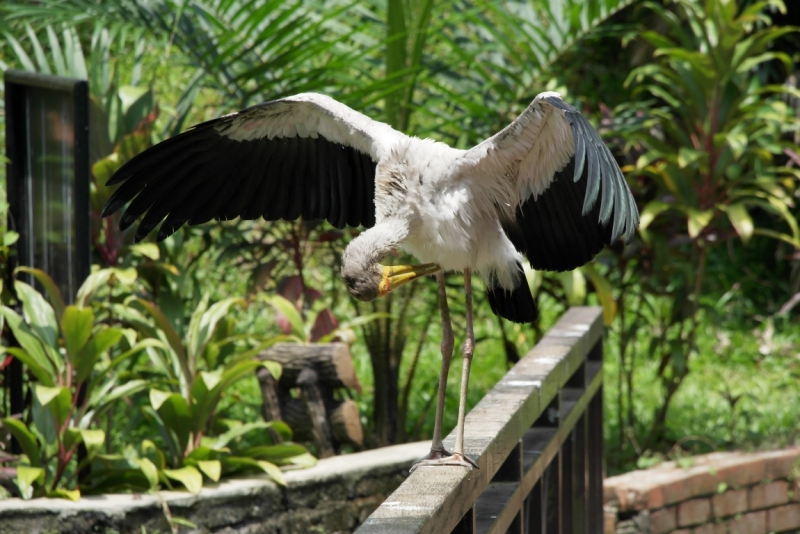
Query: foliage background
x,y
459,71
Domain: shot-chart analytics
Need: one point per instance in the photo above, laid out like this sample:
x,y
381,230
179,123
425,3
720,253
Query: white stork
x,y
546,187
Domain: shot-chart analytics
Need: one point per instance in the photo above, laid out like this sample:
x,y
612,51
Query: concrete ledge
x,y
336,495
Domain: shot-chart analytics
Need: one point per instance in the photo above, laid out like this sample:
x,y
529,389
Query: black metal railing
x,y
537,437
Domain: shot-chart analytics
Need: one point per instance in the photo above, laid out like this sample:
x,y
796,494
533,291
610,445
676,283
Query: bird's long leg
x,y
467,349
438,454
438,451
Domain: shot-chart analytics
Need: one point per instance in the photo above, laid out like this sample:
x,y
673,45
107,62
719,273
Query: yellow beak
x,y
395,276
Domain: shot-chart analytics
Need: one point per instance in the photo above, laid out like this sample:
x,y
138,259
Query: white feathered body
x,y
445,210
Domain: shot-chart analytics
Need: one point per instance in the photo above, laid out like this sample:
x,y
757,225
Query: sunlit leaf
x,y
189,476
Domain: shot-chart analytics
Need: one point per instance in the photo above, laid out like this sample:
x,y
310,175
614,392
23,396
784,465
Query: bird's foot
x,y
441,457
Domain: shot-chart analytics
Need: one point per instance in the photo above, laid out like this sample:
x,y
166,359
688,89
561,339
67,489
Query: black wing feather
x,y
203,174
587,205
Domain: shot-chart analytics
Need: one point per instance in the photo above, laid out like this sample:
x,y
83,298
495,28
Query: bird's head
x,y
362,271
377,280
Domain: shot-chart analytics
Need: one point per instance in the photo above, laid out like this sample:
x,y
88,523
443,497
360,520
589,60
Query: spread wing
x,y
561,193
304,156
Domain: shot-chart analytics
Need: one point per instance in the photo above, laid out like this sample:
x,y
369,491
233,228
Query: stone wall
x,y
720,493
334,496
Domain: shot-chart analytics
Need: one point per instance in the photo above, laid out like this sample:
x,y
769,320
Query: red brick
x,y
663,521
711,528
769,495
729,503
784,518
694,512
742,472
753,523
779,464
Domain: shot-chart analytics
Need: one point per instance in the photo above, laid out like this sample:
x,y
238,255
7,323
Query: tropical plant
x,y
190,380
78,364
710,144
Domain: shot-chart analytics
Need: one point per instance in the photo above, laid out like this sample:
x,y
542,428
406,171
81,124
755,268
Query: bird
x,y
545,188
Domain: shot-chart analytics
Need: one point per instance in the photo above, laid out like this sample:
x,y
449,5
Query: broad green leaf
x,y
211,379
741,221
26,439
98,344
92,284
286,308
38,313
223,439
304,460
278,454
44,375
76,324
273,471
26,477
148,445
58,400
189,476
148,250
9,238
148,470
93,440
650,212
49,285
175,414
172,337
61,493
574,285
604,293
274,368
158,398
698,220
211,468
202,327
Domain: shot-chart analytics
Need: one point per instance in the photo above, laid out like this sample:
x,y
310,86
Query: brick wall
x,y
721,493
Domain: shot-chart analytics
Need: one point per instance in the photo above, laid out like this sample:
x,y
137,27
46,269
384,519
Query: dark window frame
x,y
17,85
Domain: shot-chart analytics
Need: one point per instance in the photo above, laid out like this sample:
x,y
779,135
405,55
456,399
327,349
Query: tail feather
x,y
517,305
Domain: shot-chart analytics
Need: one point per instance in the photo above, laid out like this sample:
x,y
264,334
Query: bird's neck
x,y
369,248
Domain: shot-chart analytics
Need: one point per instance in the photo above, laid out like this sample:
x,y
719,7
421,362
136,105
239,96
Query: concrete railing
x,y
537,437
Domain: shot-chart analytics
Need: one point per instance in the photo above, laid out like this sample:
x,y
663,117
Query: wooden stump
x,y
313,413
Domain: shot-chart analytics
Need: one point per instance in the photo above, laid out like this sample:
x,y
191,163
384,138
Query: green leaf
x,y
58,400
741,221
26,440
274,368
98,344
223,439
56,300
286,308
76,325
202,325
698,220
38,313
9,238
148,250
72,495
26,477
93,440
149,470
189,476
211,468
650,212
273,471
604,293
175,414
574,285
